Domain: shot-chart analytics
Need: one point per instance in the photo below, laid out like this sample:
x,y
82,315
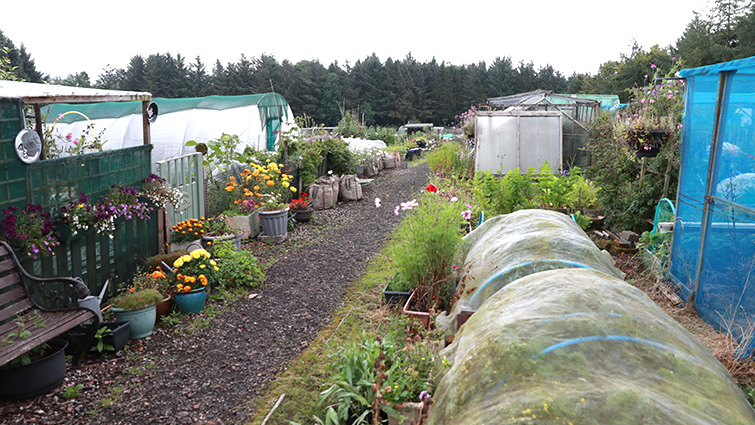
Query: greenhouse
x,y
713,249
574,111
256,119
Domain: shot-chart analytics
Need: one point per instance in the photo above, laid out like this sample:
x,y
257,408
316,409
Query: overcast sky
x,y
65,37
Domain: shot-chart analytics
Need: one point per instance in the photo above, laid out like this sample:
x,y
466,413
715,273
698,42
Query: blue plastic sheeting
x,y
713,254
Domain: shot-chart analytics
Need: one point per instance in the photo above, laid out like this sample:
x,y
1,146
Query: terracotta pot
x,y
421,316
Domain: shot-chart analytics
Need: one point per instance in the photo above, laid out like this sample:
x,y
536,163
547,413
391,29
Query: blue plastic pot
x,y
141,322
192,301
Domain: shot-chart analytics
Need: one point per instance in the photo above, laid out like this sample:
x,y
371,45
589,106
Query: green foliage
x,y
407,365
221,152
72,391
339,158
136,300
171,319
99,338
429,238
237,268
34,318
451,159
534,189
626,199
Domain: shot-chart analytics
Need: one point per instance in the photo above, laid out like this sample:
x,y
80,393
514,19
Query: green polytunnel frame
x,y
257,119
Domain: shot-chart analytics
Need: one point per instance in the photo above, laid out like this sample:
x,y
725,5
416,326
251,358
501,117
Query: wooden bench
x,y
46,307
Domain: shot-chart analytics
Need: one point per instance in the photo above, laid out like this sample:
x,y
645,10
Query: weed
x,y
72,391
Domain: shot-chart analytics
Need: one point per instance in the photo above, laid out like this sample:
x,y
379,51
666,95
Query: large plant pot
x,y
303,216
163,309
192,301
274,223
250,224
210,241
185,246
117,338
142,321
36,378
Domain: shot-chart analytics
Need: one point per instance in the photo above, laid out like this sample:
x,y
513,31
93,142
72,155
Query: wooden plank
x,y
6,264
15,294
14,310
9,280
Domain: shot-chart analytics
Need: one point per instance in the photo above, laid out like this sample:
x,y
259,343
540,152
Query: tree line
x,y
394,92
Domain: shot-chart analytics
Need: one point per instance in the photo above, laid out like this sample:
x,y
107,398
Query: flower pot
x,y
303,216
186,245
142,321
250,224
209,241
192,301
36,378
119,336
274,223
163,309
420,316
398,298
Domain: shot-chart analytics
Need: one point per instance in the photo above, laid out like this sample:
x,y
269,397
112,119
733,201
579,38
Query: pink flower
x,y
466,214
409,205
652,65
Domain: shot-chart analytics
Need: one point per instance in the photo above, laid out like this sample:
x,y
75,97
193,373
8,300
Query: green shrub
x,y
429,237
310,154
451,159
237,268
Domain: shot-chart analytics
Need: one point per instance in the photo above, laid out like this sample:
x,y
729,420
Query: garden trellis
x,y
713,248
257,119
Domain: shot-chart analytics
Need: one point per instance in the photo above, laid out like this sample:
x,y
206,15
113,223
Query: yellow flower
x,y
216,268
178,263
285,184
201,266
213,262
186,258
195,254
293,189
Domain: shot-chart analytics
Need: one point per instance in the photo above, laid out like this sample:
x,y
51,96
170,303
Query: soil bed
x,y
210,375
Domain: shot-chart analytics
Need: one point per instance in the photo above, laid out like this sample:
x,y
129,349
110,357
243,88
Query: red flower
x,y
431,188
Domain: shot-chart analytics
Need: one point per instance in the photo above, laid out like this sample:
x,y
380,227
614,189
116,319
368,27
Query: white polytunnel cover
x,y
578,346
507,247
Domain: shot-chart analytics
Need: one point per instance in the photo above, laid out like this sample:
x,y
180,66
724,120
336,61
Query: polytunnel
x,y
579,346
507,247
257,119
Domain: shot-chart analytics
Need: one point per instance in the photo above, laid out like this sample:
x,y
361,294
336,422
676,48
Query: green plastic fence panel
x,y
583,347
187,175
12,184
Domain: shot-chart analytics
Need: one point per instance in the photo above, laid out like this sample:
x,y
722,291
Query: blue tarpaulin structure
x,y
713,249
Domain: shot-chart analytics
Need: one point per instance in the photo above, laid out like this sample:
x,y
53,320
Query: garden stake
x,y
277,403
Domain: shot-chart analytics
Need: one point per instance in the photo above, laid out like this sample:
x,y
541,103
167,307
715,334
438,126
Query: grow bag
x,y
508,247
580,346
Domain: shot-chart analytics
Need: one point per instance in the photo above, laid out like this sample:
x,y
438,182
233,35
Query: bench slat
x,y
56,324
15,294
6,265
9,280
13,310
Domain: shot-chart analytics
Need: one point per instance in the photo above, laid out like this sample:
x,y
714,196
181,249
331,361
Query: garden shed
x,y
52,183
575,111
256,119
713,248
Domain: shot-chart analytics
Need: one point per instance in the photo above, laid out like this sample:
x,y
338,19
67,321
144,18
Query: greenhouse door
x,y
273,125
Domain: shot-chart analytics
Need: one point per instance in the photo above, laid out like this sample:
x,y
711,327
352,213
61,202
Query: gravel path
x,y
210,376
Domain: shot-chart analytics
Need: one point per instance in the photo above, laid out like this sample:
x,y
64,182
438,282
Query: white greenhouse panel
x,y
520,139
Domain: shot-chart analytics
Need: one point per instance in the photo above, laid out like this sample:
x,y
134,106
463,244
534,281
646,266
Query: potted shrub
x,y
137,306
193,274
301,208
28,230
76,218
187,232
243,211
430,237
397,291
159,281
274,190
218,229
